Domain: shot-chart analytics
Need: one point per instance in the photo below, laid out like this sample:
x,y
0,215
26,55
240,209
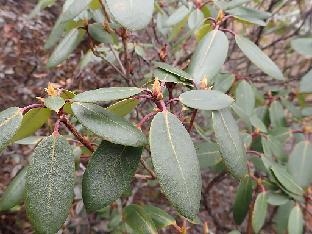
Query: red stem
x,y
32,106
146,118
74,131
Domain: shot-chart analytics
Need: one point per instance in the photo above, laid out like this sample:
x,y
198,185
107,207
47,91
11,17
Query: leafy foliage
x,y
241,123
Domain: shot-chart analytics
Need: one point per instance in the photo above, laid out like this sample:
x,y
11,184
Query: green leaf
x,y
108,174
259,58
302,45
66,47
131,14
295,221
208,154
123,107
107,94
276,199
245,97
281,218
209,56
177,16
98,33
10,121
259,212
160,218
174,70
249,20
31,140
249,13
32,121
108,125
202,31
14,193
206,99
165,76
223,81
54,103
55,34
230,143
50,184
277,116
286,180
196,19
300,163
230,5
306,83
234,232
139,220
74,9
242,200
175,162
257,123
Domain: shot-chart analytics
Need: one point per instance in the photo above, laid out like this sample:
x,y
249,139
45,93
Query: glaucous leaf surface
x,y
245,97
206,99
277,116
66,47
225,5
74,9
165,76
259,58
223,81
160,218
123,107
98,33
31,140
174,70
295,221
208,154
139,220
108,125
14,193
32,121
303,46
54,103
10,121
306,83
50,184
107,94
277,199
286,180
257,123
209,56
259,212
177,16
131,14
242,200
300,163
281,218
196,19
108,174
229,141
175,163
55,34
249,12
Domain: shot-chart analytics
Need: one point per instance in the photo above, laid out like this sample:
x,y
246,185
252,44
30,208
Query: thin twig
x,y
148,169
146,118
32,106
192,120
74,131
